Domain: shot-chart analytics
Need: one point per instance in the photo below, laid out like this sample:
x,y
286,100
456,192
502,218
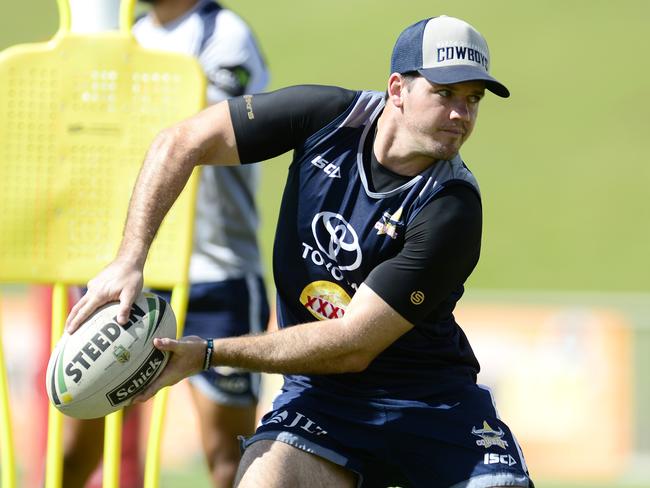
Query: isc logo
x,y
330,169
494,458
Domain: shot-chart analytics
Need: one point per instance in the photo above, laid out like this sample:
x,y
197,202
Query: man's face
x,y
440,118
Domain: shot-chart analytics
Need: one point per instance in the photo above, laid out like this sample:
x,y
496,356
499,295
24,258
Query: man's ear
x,y
396,86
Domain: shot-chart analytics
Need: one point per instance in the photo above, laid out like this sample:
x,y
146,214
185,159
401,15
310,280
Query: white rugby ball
x,y
101,366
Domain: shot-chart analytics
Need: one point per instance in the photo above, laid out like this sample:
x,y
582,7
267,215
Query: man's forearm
x,y
313,348
344,345
206,138
164,173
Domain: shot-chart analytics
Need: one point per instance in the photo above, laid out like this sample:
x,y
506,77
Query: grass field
x,y
197,478
562,164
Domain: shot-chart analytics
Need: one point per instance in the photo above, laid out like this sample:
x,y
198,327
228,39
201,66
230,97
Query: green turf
x,y
196,477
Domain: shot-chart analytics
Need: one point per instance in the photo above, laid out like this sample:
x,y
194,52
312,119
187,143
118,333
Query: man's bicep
x,y
269,124
372,323
210,132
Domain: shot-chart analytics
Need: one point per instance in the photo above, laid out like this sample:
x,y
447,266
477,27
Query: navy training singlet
x,y
333,230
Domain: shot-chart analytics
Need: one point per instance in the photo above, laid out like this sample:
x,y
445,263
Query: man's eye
x,y
444,93
474,98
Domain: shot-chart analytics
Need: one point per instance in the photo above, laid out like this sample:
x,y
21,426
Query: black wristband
x,y
208,355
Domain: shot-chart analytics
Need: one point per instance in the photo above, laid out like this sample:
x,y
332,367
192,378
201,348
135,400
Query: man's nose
x,y
460,110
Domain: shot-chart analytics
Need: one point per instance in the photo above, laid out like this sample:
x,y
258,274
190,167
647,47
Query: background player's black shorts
x,y
226,309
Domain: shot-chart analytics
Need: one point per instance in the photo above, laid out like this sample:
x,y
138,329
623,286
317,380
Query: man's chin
x,y
445,153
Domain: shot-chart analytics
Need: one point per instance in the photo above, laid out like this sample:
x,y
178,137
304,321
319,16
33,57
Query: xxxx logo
x,y
325,300
324,308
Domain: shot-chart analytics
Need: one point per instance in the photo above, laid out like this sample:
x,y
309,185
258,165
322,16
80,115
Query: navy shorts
x,y
456,440
226,309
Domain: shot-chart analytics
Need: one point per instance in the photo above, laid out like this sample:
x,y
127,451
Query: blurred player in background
x,y
228,296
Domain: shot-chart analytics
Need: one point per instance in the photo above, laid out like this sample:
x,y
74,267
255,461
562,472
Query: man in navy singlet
x,y
379,228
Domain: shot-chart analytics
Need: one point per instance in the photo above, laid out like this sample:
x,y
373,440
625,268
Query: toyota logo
x,y
342,243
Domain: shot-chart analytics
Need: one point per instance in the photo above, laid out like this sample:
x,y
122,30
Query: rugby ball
x,y
101,366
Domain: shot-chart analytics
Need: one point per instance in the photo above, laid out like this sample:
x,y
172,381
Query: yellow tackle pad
x,y
77,115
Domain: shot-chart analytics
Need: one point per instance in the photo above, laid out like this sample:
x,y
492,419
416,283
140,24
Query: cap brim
x,y
457,74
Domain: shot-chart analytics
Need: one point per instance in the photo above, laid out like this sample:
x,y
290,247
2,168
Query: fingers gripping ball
x,y
103,365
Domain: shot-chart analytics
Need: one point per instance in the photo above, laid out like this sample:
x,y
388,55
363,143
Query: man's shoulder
x,y
462,174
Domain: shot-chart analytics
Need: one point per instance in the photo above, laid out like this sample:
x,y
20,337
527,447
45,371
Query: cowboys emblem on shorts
x,y
489,437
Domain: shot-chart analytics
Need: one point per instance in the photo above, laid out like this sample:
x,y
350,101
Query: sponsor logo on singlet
x,y
388,223
336,246
325,300
337,239
330,169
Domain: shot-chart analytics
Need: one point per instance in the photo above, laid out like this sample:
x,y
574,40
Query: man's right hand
x,y
119,281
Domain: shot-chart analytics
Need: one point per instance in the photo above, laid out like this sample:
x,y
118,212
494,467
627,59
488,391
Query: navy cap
x,y
445,50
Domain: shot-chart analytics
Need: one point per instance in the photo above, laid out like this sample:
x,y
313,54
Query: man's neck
x,y
391,150
165,11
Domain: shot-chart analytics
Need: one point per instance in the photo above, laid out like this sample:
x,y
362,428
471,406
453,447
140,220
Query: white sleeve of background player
x,y
232,45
